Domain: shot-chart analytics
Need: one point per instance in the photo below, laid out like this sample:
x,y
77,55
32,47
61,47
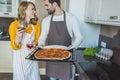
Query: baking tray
x,y
32,57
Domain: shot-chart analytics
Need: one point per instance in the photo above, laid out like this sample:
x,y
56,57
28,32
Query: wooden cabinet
x,y
103,11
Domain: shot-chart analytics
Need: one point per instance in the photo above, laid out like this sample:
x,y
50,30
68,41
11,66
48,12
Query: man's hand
x,y
41,46
69,47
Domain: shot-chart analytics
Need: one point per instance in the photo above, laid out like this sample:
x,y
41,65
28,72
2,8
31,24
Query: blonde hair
x,y
22,14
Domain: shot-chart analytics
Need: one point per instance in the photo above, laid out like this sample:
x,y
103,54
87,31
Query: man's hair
x,y
57,1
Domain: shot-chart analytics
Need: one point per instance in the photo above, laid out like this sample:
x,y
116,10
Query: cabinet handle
x,y
113,17
6,13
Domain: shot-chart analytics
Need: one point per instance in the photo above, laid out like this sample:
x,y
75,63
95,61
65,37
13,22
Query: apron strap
x,y
33,30
64,17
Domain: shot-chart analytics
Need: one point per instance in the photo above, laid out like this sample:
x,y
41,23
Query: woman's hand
x,y
20,32
34,44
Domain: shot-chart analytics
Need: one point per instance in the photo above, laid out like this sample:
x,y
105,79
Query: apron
x,y
24,69
58,35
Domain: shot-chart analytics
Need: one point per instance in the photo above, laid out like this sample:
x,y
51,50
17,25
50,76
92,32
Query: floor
x,y
9,76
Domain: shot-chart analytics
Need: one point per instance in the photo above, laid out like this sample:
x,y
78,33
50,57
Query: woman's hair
x,y
22,12
57,1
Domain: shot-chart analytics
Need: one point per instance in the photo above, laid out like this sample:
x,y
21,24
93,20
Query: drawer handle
x,y
6,13
113,17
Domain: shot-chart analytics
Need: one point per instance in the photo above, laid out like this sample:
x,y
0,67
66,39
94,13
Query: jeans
x,y
52,78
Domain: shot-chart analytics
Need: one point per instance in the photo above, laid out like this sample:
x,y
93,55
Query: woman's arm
x,y
15,44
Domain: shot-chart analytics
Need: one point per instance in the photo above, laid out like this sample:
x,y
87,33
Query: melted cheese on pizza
x,y
52,53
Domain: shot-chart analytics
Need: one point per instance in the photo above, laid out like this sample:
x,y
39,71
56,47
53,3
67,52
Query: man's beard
x,y
51,11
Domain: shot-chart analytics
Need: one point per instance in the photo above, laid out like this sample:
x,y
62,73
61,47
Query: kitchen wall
x,y
109,31
41,12
111,36
90,32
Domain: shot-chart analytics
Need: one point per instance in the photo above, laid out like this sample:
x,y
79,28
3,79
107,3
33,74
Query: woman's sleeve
x,y
38,31
12,33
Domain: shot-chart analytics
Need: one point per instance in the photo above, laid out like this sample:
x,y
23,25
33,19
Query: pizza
x,y
52,54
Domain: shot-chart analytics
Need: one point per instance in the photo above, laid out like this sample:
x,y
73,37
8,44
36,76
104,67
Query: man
x,y
59,28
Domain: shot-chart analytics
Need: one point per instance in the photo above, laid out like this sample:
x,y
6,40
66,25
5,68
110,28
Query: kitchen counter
x,y
92,68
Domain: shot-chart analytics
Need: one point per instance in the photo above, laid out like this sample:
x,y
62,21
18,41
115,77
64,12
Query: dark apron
x,y
58,35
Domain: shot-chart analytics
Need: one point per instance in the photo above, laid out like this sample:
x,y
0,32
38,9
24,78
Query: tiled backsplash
x,y
4,26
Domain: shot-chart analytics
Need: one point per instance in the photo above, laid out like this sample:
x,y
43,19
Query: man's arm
x,y
77,39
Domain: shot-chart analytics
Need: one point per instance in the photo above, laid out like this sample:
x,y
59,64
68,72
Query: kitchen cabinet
x,y
26,0
5,57
18,2
103,12
7,8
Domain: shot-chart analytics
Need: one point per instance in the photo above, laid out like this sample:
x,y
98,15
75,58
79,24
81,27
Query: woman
x,y
24,29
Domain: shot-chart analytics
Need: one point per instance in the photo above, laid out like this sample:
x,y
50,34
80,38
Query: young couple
x,y
59,28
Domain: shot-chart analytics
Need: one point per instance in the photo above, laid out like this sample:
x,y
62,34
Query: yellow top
x,y
12,32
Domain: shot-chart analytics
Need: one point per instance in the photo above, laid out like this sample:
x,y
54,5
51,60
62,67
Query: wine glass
x,y
29,44
23,25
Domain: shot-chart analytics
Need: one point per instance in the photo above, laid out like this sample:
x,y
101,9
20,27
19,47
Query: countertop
x,y
92,68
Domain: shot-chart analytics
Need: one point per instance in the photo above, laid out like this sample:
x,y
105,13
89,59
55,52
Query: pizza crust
x,y
52,54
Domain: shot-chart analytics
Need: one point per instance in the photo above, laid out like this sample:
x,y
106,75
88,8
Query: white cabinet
x,y
103,11
5,57
17,5
7,8
91,10
26,0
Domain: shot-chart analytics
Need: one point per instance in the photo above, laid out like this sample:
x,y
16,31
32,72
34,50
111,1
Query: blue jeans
x,y
52,78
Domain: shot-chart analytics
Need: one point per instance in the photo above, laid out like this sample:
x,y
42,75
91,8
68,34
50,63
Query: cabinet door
x,y
17,5
5,57
91,10
109,10
19,1
102,10
6,8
